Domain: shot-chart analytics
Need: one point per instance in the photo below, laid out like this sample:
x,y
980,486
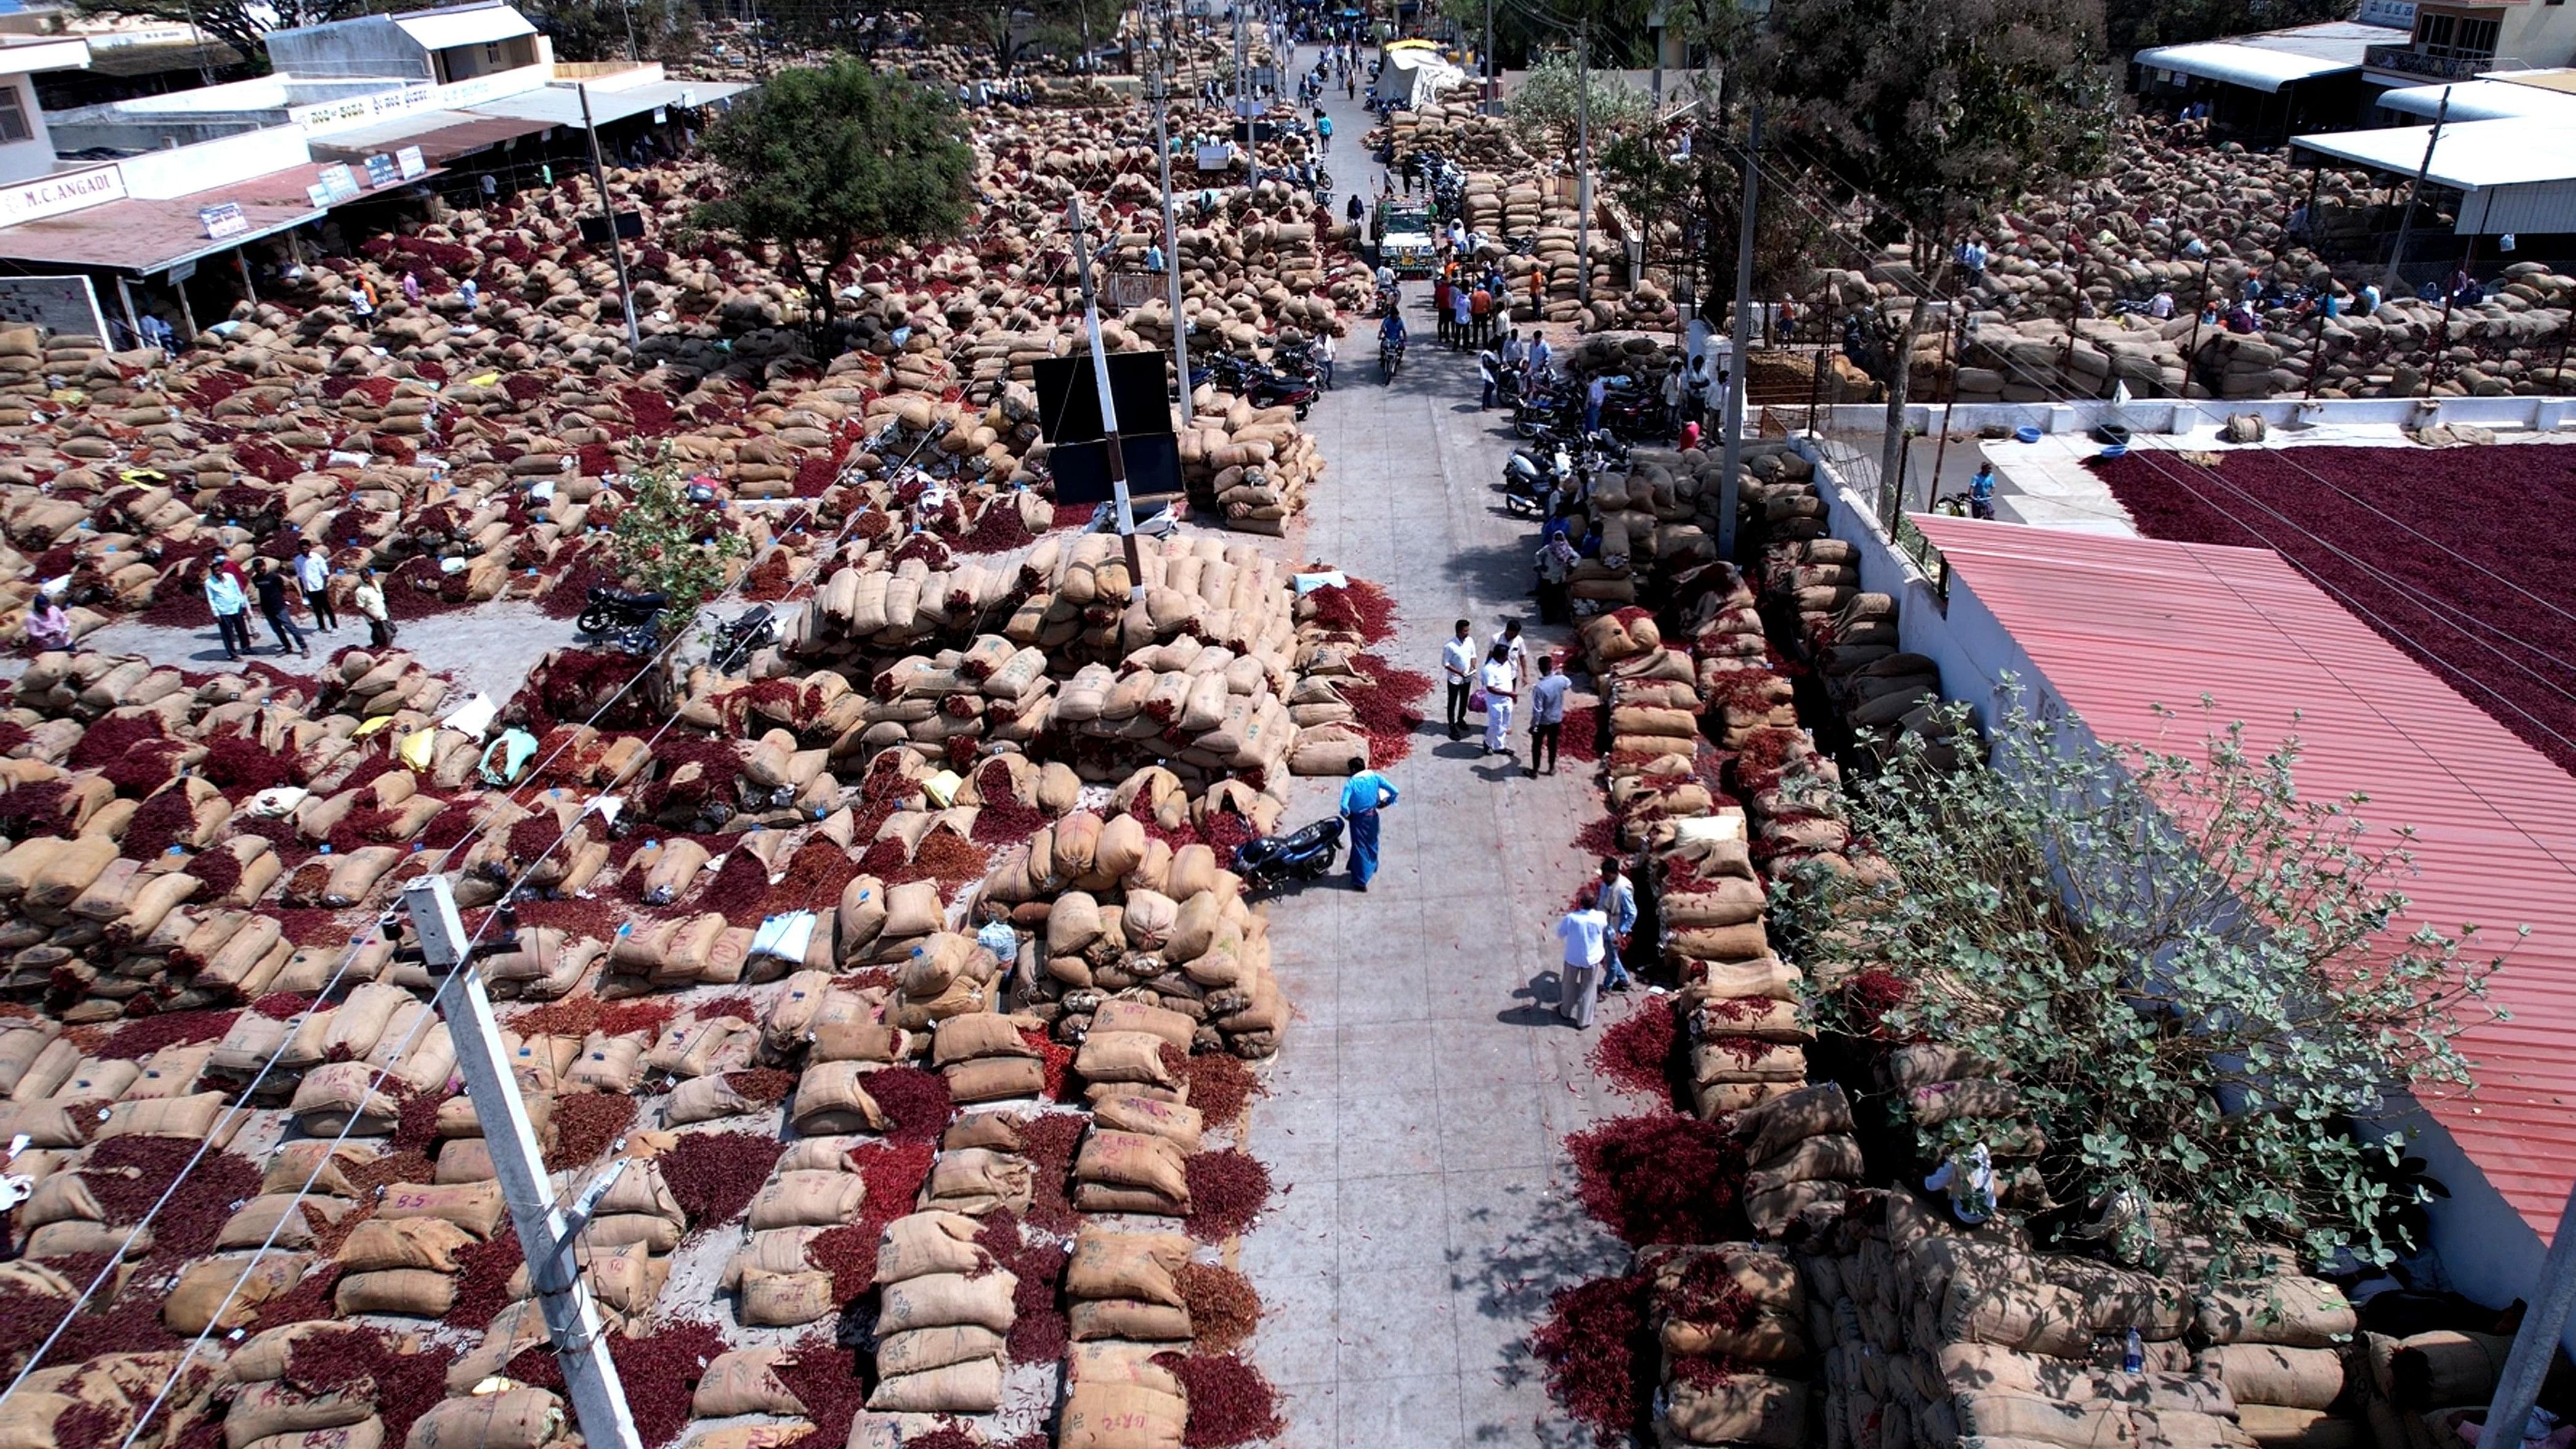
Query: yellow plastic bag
x,y
417,748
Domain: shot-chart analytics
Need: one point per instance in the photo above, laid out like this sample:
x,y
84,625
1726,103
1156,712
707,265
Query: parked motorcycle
x,y
606,609
1263,387
1306,853
737,641
1534,478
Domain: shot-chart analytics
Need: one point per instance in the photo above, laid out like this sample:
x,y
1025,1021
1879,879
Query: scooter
x,y
1533,480
606,609
1303,854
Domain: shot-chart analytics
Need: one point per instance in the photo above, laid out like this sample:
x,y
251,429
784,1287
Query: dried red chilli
x,y
894,1172
849,1254
1048,1141
126,1175
1224,1307
1639,1054
767,1086
715,1175
1040,1332
408,1383
947,1436
825,1378
1228,1189
742,1006
1598,1349
586,1124
141,1037
1665,1177
1231,1402
1221,1086
740,891
1054,1056
483,1287
915,1102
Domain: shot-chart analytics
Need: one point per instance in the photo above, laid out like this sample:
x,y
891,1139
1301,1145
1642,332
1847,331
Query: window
x,y
2458,36
13,115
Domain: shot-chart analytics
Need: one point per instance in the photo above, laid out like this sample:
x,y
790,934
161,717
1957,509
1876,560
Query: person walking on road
x,y
1547,714
313,579
1458,667
1619,911
1489,371
1501,687
1363,795
369,596
270,583
232,611
1323,131
1579,985
1323,355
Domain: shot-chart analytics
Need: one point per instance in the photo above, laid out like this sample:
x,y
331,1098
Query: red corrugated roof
x,y
2119,625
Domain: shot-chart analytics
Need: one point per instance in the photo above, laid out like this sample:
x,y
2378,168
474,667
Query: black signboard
x,y
1082,469
1069,398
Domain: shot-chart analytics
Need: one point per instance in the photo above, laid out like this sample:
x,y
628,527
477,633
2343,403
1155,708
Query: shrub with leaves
x,y
664,540
2195,977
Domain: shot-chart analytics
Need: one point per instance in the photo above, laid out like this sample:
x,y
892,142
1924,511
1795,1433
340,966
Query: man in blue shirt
x,y
1365,794
1981,492
1619,905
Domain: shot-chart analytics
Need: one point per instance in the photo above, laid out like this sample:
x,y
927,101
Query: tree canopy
x,y
1009,30
1544,108
1939,111
819,161
242,24
2186,969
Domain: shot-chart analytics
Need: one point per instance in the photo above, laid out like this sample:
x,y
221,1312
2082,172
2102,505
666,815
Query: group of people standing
x,y
278,589
1493,684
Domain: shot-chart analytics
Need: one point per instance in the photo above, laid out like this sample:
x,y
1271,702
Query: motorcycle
x,y
607,610
1303,854
1534,478
1261,386
737,641
1390,360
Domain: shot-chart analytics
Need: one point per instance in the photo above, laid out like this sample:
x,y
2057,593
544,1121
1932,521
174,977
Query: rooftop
x,y
2117,626
2273,58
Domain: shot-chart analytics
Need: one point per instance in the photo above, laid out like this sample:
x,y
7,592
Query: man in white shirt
x,y
313,578
1580,987
1323,355
1458,667
1508,639
1502,686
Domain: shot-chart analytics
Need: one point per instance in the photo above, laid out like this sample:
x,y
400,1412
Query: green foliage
x,y
1937,111
1009,31
2190,971
2136,24
596,30
240,24
662,540
1621,33
817,161
1544,109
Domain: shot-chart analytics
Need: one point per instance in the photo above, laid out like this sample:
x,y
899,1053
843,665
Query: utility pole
x,y
1488,98
1655,21
1583,163
608,212
1172,247
1108,404
2535,1344
545,1233
1732,395
2414,194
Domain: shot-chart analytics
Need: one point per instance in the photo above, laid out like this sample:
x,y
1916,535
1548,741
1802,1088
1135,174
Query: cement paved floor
x,y
1426,1210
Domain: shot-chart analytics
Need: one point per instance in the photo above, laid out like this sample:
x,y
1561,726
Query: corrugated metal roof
x,y
2119,625
560,104
147,236
2274,58
446,29
2471,155
442,136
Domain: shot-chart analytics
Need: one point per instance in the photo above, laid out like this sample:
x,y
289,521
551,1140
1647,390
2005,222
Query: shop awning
x,y
150,237
560,105
2274,58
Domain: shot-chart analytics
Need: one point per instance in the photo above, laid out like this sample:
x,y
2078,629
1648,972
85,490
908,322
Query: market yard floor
x,y
488,648
1427,1210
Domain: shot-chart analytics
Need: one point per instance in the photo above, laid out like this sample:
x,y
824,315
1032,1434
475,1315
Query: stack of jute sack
x,y
1165,952
1117,1394
1731,1321
1941,1333
1453,130
1651,526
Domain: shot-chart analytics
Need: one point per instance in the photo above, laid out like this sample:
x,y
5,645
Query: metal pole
x,y
2535,1344
1486,106
1583,165
249,289
134,324
545,1234
633,55
616,244
2441,344
2414,193
1172,251
1741,338
1108,404
2199,309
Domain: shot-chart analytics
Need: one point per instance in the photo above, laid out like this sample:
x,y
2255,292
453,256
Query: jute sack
x,y
919,1350
2047,1421
427,1244
411,1292
938,1300
1126,1265
971,1386
808,1199
1174,1121
2289,1310
512,1419
1132,1159
2031,1317
1776,1126
1127,1318
784,1300
919,1244
2274,1427
1108,1415
2283,1377
780,1250
744,1381
994,1079
831,1097
274,1407
977,1181
1754,1410
205,1285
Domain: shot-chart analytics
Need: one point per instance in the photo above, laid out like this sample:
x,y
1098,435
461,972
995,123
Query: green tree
x,y
2192,974
818,161
595,30
1938,112
1009,31
664,540
1546,108
242,24
2135,25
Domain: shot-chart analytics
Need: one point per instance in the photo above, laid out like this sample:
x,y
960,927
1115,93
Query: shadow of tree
x,y
1551,1244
